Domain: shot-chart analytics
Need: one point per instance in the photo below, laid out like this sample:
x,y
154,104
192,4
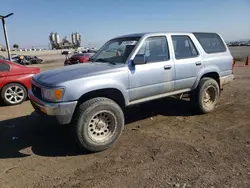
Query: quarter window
x,y
4,67
184,47
154,49
210,42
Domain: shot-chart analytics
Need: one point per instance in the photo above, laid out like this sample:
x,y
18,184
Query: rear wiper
x,y
104,60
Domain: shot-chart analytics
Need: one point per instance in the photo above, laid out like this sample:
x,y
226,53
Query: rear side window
x,y
184,47
4,67
210,42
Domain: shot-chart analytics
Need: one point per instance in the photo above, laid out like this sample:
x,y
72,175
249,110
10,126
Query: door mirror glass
x,y
139,59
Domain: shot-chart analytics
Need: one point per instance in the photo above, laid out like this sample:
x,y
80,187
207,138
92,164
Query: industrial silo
x,y
73,38
77,36
52,37
57,38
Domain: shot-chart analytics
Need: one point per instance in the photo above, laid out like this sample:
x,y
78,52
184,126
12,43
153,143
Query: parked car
x,y
78,58
15,81
14,58
26,60
150,66
66,52
33,59
92,51
77,52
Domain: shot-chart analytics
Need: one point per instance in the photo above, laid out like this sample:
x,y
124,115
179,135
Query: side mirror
x,y
139,60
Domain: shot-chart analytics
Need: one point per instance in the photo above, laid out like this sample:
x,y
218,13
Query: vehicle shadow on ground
x,y
166,107
33,134
2,103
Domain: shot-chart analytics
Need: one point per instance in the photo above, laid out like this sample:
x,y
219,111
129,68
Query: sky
x,y
100,20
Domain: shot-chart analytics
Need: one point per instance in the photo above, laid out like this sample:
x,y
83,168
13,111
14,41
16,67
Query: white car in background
x,y
77,52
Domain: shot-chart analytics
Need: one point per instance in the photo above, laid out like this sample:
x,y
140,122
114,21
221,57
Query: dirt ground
x,y
163,145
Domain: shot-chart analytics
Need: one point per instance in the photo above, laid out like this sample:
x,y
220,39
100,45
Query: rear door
x,y
4,71
188,61
217,55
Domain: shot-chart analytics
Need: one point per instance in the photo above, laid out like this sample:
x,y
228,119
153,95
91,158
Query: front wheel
x,y
98,123
13,94
206,96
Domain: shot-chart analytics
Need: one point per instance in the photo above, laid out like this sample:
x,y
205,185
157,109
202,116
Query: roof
x,y
157,33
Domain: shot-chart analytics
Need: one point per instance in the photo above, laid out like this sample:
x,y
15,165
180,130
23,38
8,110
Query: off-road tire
x,y
197,96
85,113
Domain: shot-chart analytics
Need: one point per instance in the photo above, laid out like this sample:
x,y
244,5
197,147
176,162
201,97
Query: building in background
x,y
55,42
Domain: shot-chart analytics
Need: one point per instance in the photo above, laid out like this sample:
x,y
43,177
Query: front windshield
x,y
116,50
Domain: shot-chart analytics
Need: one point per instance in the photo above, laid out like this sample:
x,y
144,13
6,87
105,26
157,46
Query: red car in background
x,y
78,58
15,81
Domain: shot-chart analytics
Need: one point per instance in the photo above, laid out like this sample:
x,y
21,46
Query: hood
x,y
72,72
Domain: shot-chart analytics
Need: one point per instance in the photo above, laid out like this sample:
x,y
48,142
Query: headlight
x,y
53,94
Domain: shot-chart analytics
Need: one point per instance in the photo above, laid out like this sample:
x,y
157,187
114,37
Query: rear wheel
x,y
13,94
206,96
98,123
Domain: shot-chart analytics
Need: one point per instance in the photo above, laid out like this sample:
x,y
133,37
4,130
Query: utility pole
x,y
6,34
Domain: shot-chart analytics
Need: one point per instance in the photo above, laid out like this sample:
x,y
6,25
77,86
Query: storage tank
x,y
73,38
77,36
52,37
57,38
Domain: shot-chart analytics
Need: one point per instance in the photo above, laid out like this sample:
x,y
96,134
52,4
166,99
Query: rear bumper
x,y
226,80
63,111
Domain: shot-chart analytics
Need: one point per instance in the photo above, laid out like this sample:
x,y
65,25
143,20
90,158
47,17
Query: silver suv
x,y
129,70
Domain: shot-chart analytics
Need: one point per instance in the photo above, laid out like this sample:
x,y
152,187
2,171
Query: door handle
x,y
167,67
198,63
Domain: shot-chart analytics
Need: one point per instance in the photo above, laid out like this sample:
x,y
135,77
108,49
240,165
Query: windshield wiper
x,y
104,60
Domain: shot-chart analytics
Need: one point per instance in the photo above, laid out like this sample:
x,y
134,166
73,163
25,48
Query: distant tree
x,y
16,46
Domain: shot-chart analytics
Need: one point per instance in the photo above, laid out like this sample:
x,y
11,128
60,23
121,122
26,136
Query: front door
x,y
156,76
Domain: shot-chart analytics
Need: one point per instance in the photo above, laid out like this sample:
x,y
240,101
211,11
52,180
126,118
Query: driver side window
x,y
154,49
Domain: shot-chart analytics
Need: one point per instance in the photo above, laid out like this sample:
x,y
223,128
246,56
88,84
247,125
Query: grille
x,y
36,91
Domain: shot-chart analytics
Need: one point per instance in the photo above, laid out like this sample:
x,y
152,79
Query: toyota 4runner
x,y
129,70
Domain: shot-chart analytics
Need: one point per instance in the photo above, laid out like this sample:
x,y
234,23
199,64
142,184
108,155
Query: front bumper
x,y
63,111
